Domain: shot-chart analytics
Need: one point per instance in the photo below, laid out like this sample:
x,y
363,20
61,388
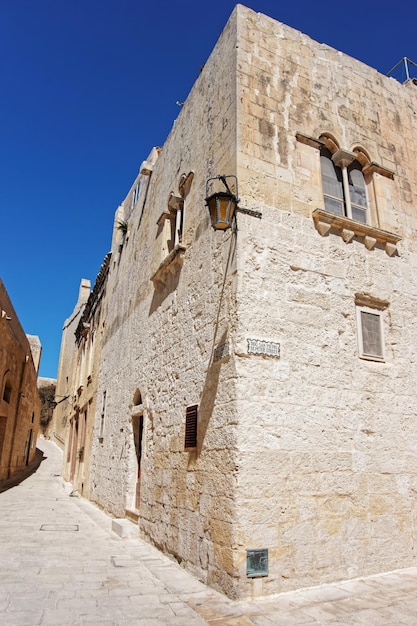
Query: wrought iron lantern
x,y
222,204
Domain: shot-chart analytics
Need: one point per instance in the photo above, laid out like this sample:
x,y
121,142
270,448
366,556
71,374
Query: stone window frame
x,y
343,164
135,195
368,305
102,417
171,221
325,222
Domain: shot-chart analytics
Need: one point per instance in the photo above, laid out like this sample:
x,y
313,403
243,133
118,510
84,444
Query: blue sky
x,y
88,87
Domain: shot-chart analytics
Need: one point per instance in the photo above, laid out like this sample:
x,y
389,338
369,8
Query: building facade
x,y
19,398
255,399
66,385
47,392
81,405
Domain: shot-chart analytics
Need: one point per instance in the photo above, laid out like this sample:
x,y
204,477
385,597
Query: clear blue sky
x,y
88,87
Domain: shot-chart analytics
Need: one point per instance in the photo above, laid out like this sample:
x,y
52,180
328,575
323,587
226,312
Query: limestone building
x,y
47,392
81,405
256,397
19,399
66,386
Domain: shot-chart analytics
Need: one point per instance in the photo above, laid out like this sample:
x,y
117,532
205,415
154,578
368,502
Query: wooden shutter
x,y
371,334
191,426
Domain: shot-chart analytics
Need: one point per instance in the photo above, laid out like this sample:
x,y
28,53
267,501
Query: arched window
x,y
334,201
357,192
344,187
7,392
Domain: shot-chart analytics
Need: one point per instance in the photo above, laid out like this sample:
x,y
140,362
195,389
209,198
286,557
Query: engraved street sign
x,y
265,348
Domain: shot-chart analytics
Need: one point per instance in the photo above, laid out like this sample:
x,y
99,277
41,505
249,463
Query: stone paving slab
x,y
61,565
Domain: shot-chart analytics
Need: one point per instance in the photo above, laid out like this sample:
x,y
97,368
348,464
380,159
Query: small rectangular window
x,y
135,195
191,426
102,416
370,334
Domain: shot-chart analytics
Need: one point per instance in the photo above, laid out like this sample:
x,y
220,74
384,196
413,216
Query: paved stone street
x,y
61,564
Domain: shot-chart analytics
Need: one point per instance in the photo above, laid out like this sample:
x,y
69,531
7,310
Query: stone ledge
x,y
348,229
366,299
313,142
376,168
170,264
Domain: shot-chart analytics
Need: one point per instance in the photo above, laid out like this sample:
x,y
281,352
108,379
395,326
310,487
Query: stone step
x,y
124,528
133,515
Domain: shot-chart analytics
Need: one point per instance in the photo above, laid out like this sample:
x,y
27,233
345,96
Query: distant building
x,y
46,389
66,385
19,399
81,405
255,400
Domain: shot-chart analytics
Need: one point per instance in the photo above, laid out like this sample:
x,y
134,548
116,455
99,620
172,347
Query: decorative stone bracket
x,y
146,168
175,203
348,229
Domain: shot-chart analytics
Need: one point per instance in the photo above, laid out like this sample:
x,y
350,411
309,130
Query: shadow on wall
x,y
207,401
211,382
163,289
25,473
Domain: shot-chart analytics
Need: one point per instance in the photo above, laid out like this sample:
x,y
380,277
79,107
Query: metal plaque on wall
x,y
257,563
265,348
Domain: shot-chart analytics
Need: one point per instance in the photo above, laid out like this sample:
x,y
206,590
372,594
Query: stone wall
x,y
305,448
88,337
19,399
159,339
326,440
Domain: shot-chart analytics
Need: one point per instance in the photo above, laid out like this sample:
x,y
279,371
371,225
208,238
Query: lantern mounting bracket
x,y
223,205
249,212
223,178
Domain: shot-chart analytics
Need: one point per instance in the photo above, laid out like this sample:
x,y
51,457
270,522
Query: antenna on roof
x,y
404,62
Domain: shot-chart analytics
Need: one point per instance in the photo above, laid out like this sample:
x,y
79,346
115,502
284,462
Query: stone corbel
x,y
373,168
348,229
323,227
347,235
343,158
175,203
310,141
146,168
370,242
390,248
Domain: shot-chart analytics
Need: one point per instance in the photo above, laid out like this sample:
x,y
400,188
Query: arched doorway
x,y
137,437
137,431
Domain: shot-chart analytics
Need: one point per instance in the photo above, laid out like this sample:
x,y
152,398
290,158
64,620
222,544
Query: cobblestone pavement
x,y
61,564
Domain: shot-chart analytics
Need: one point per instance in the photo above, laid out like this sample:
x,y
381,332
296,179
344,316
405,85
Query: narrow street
x,y
61,565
